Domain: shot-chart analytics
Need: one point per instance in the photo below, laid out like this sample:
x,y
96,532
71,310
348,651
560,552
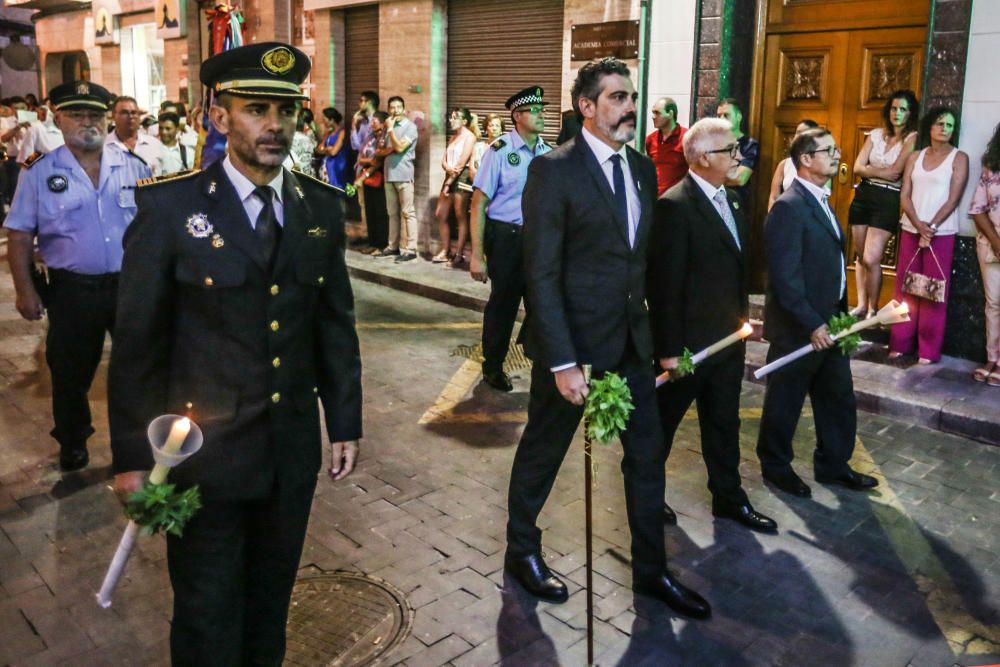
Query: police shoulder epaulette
x,y
33,159
157,180
301,174
498,144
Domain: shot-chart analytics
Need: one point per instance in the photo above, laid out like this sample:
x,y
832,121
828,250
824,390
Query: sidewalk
x,y
941,396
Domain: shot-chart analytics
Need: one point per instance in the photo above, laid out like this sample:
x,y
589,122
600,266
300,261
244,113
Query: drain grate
x,y
344,618
515,361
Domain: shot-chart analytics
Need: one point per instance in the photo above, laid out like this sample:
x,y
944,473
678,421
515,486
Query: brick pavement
x,y
908,576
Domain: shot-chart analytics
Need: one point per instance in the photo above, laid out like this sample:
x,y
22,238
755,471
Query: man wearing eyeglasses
x,y
127,137
806,286
497,223
77,201
697,290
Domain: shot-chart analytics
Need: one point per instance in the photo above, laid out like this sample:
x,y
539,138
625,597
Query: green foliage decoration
x,y
160,508
607,409
842,322
685,365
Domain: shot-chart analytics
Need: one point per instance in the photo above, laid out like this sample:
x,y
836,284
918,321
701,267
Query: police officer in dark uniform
x,y
496,226
77,201
236,310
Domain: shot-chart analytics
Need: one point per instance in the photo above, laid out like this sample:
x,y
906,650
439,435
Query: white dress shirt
x,y
172,160
822,195
149,148
42,137
603,153
244,190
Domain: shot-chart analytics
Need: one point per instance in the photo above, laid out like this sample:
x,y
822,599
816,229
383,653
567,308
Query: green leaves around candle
x,y
842,322
685,365
607,409
160,508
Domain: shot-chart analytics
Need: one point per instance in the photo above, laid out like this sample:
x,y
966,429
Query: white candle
x,y
744,332
178,433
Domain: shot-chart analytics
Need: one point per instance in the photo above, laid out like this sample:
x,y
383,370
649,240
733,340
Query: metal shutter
x,y
496,48
361,48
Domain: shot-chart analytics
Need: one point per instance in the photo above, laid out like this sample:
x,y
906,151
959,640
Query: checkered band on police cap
x,y
526,97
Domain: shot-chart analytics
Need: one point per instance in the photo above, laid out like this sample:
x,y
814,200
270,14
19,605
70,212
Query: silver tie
x,y
727,216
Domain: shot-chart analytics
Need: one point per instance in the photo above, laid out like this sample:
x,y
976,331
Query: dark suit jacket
x,y
804,259
585,285
697,277
207,325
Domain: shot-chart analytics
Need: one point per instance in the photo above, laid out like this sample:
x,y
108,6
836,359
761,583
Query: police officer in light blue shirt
x,y
496,226
76,201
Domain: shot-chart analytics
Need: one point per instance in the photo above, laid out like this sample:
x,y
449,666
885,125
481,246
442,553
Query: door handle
x,y
842,174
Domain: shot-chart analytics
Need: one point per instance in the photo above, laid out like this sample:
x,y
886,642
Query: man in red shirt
x,y
664,147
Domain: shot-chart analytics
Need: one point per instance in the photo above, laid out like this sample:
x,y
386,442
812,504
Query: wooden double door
x,y
836,64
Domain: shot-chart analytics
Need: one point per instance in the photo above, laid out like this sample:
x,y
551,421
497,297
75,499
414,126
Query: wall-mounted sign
x,y
169,15
597,40
106,21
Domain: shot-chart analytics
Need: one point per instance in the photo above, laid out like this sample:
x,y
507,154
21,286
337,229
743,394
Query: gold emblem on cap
x,y
538,92
278,60
83,88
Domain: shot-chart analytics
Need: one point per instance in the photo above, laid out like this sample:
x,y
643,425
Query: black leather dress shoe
x,y
851,479
746,515
498,380
678,597
74,458
669,516
536,578
791,483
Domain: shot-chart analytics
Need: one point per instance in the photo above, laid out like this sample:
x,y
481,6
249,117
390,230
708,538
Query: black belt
x,y
885,186
95,280
513,227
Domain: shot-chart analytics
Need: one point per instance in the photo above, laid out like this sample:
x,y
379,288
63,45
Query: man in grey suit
x,y
587,211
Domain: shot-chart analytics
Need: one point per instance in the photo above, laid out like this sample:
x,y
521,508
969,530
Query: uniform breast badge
x,y
217,241
199,227
57,183
514,159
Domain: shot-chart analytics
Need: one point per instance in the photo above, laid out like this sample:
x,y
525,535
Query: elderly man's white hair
x,y
702,137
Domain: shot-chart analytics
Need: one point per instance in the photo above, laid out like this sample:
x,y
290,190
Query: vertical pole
x,y
643,76
588,511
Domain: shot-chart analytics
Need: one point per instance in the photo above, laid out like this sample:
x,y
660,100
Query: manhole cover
x,y
345,619
515,360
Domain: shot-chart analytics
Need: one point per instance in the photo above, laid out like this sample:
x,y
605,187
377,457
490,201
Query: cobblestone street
x,y
908,575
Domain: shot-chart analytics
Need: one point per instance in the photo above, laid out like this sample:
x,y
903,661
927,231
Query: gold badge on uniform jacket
x,y
217,241
278,60
316,233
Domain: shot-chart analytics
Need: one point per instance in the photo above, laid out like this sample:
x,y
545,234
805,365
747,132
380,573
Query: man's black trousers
x,y
81,310
552,421
232,573
716,387
504,261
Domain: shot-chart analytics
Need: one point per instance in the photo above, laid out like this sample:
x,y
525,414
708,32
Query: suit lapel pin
x,y
298,191
211,188
198,226
736,205
316,233
217,241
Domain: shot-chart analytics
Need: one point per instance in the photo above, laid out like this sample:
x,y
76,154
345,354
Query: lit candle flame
x,y
747,329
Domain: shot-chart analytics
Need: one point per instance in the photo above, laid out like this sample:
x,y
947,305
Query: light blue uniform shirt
x,y
503,173
79,228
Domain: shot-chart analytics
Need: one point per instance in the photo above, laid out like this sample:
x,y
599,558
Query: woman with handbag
x,y
453,196
874,214
933,183
369,178
985,210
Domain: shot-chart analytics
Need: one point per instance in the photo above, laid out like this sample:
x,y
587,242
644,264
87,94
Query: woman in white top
x,y
785,172
874,213
494,128
456,169
933,183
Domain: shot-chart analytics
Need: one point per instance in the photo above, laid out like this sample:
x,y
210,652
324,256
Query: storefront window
x,y
142,66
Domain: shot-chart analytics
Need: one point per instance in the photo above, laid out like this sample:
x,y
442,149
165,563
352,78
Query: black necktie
x,y
621,199
267,229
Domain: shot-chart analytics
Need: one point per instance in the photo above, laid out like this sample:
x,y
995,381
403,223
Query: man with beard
x,y
77,201
807,285
236,310
496,226
698,294
588,207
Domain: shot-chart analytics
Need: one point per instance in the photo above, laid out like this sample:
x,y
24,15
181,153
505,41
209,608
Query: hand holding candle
x,y
891,313
693,360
